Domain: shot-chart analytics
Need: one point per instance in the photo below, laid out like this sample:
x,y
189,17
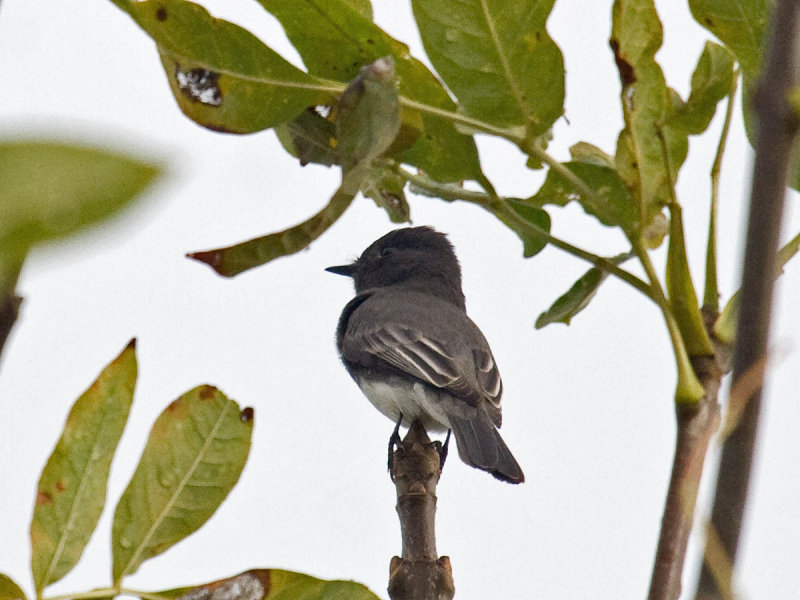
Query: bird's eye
x,y
388,251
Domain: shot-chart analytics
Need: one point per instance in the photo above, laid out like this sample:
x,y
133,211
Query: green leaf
x,y
72,488
612,203
636,36
368,115
272,584
725,325
578,296
311,138
334,41
232,260
195,453
222,76
712,80
682,295
497,58
740,24
531,245
386,188
362,7
367,121
10,590
49,190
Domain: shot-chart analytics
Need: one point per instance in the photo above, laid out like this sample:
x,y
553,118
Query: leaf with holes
x,y
367,121
497,58
271,584
72,488
195,453
222,76
335,40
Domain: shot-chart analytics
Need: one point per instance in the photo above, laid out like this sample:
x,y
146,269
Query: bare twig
x,y
777,129
418,574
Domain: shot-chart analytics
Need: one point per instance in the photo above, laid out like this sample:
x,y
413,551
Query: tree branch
x,y
419,574
777,129
696,425
499,206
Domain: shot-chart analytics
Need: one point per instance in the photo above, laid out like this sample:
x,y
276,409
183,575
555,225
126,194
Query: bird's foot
x,y
442,449
394,440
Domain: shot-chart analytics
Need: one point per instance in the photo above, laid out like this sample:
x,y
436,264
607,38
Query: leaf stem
x,y
559,168
710,290
108,593
499,206
689,388
513,134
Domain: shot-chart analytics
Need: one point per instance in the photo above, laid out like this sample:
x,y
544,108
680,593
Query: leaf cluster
x,y
194,455
497,72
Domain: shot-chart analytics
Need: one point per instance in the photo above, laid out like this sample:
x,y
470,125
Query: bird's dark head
x,y
419,258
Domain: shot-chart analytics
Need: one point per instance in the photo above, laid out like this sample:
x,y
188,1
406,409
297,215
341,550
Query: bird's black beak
x,y
348,270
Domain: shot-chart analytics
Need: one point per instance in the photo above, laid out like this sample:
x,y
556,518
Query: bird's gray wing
x,y
409,344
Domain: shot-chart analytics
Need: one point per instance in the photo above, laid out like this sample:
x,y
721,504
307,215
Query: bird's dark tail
x,y
480,446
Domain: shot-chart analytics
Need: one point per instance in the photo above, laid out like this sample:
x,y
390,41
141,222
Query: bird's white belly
x,y
415,401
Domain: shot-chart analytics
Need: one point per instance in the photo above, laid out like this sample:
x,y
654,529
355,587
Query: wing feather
x,y
461,365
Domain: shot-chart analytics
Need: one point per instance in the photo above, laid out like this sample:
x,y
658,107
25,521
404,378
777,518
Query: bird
x,y
406,340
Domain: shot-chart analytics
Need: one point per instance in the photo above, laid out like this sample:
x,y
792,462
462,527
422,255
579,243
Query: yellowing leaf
x,y
10,590
72,488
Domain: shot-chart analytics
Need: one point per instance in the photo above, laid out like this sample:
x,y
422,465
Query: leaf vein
x,y
164,513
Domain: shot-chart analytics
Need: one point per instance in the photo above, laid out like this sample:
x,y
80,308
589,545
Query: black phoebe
x,y
407,341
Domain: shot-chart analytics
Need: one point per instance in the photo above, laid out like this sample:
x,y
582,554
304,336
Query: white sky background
x,y
587,409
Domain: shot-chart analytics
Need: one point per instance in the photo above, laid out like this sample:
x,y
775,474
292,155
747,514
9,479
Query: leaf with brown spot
x,y
72,487
740,25
254,87
232,260
195,453
367,122
636,35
